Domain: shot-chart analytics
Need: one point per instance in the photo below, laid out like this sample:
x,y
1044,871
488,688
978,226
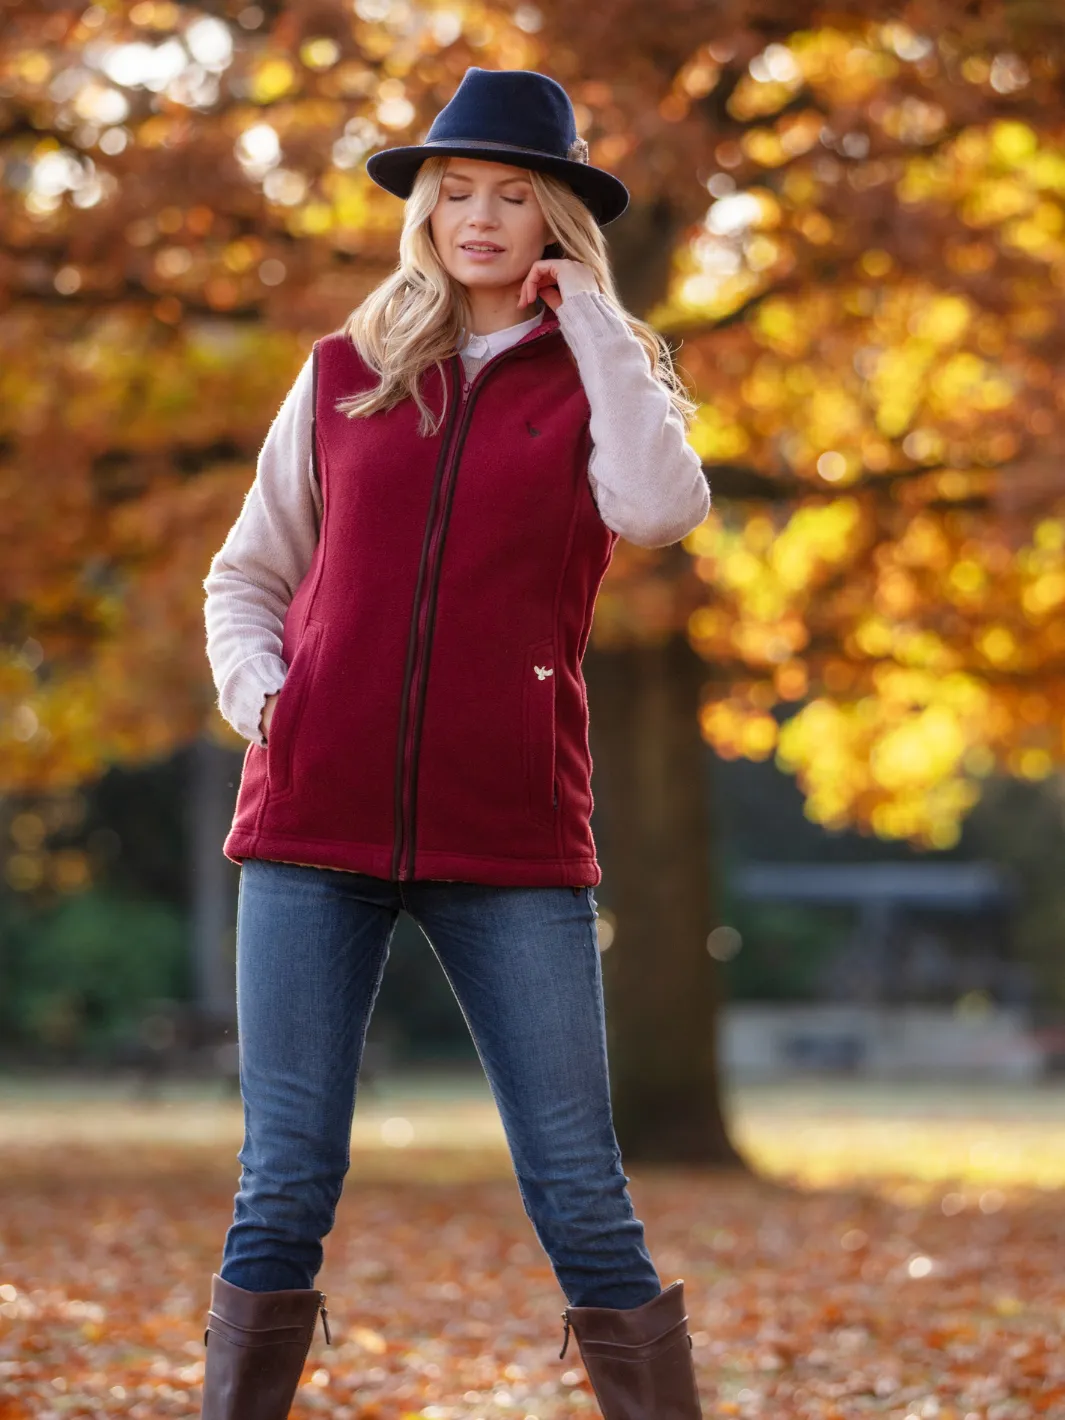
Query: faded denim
x,y
524,965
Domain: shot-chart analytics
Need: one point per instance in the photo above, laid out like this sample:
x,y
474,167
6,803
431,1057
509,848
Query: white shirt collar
x,y
496,340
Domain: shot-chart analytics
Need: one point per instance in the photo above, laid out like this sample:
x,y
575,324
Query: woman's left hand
x,y
555,278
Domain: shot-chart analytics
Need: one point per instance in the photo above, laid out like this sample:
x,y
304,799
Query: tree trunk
x,y
214,878
653,832
663,989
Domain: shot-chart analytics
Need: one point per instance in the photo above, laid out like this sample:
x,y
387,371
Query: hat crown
x,y
513,107
515,116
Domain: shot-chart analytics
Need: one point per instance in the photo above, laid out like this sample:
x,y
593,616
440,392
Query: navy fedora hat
x,y
514,116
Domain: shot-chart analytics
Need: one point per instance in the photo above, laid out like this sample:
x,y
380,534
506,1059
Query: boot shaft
x,y
638,1359
257,1343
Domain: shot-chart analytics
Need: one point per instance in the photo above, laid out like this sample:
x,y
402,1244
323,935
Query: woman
x,y
396,623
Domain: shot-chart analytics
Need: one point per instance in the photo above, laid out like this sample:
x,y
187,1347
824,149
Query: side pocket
x,y
538,728
288,711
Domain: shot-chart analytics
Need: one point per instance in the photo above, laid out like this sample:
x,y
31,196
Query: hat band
x,y
507,147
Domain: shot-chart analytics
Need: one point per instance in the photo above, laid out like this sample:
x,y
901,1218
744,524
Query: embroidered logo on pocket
x,y
542,672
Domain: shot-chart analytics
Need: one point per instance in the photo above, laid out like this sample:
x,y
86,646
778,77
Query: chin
x,y
488,278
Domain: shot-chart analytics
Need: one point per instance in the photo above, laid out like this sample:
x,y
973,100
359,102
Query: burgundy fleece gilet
x,y
433,722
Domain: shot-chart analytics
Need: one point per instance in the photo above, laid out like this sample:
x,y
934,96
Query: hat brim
x,y
606,196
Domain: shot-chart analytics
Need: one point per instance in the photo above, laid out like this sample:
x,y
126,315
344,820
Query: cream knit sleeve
x,y
647,480
267,552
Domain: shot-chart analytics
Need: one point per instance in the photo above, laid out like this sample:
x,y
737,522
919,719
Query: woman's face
x,y
492,203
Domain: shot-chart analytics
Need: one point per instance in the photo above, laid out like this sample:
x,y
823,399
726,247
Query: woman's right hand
x,y
268,713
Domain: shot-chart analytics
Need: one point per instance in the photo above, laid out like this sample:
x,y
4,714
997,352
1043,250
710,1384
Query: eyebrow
x,y
500,182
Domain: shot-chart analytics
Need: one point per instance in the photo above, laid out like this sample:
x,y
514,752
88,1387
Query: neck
x,y
492,310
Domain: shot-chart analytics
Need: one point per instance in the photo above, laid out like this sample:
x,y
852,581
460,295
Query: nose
x,y
479,210
482,231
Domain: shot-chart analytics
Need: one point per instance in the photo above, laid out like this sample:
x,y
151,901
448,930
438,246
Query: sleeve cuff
x,y
590,311
244,693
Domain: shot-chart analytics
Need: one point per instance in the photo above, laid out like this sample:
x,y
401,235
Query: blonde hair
x,y
417,315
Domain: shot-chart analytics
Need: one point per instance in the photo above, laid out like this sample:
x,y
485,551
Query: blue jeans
x,y
524,966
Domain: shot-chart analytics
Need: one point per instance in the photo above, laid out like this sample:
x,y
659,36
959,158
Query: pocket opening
x,y
288,711
539,729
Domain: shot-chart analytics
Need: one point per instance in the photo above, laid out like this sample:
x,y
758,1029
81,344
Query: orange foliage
x,y
866,219
872,307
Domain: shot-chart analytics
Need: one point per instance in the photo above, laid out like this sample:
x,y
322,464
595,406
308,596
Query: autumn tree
x,y
849,224
867,301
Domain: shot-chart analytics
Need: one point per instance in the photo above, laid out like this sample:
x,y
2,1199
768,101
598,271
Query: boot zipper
x,y
421,634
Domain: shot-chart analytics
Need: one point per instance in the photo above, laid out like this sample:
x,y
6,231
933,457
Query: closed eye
x,y
461,197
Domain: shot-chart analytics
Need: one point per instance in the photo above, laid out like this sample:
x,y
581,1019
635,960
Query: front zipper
x,y
421,634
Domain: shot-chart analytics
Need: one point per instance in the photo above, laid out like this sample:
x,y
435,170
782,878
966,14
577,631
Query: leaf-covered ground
x,y
903,1255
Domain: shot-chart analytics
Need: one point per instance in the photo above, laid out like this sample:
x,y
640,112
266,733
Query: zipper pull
x,y
565,1344
325,1321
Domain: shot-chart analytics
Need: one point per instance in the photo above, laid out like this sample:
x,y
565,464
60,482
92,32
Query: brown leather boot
x,y
639,1359
256,1344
